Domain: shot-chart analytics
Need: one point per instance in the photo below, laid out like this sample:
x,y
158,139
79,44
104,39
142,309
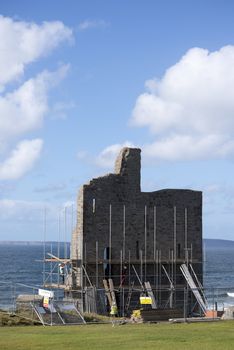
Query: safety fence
x,y
38,304
51,308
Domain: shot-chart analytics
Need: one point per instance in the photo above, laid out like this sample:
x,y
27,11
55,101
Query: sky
x,y
80,79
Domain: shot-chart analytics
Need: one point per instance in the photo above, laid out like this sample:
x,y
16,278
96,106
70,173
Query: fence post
x,y
185,304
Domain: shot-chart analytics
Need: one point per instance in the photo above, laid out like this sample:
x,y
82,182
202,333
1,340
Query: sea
x,y
23,269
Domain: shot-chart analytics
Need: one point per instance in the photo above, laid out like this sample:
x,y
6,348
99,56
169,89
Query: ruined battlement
x,y
120,192
118,225
128,166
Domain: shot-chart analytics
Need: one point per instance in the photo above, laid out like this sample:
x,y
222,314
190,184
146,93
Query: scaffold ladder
x,y
151,294
193,287
199,285
107,291
112,290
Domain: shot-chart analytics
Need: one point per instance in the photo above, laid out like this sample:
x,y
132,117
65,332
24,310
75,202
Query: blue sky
x,y
81,79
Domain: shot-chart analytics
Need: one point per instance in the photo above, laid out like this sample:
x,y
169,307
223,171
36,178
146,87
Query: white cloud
x,y
6,188
16,209
186,147
191,109
24,109
22,43
106,159
89,24
60,109
26,211
21,159
26,219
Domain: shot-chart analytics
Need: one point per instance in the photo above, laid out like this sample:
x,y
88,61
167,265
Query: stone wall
x,y
113,213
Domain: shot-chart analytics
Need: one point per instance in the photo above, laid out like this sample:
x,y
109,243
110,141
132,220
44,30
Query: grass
x,y
199,336
14,320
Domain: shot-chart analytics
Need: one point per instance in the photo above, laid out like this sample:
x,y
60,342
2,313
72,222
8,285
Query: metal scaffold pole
x,y
175,252
145,277
186,235
110,239
141,264
65,232
44,246
97,272
58,243
124,231
155,244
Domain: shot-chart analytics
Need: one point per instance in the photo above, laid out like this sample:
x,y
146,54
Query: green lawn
x,y
202,336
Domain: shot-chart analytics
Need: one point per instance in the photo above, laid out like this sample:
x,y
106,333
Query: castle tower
x,y
119,227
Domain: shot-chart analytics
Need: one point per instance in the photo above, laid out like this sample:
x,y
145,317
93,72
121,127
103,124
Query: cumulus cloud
x,y
186,147
10,206
25,220
191,108
21,159
89,24
15,214
12,210
22,43
106,158
24,109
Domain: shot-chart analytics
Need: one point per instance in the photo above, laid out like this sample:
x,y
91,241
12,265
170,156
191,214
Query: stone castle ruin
x,y
131,237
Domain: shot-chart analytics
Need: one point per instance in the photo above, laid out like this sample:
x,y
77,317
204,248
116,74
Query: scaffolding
x,y
123,281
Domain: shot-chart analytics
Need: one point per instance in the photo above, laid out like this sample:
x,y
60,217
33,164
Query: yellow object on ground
x,y
114,310
46,302
145,301
136,313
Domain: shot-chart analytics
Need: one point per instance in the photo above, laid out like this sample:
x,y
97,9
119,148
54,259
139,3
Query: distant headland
x,y
209,243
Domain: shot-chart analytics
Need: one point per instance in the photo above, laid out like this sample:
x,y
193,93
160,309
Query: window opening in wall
x,y
94,205
106,265
178,251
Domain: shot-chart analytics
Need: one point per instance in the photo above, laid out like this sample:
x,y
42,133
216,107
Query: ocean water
x,y
218,277
22,269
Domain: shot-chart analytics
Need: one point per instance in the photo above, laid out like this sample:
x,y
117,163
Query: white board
x,y
46,293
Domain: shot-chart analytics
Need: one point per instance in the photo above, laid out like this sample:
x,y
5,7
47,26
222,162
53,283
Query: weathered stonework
x,y
161,227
